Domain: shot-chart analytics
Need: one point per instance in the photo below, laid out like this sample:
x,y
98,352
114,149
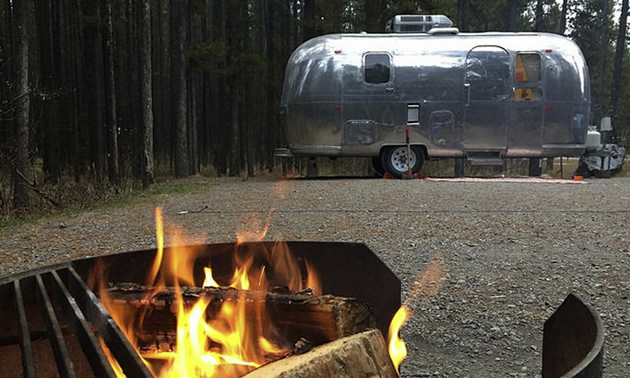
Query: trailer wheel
x,y
395,160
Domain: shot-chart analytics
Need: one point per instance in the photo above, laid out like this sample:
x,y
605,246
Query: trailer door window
x,y
527,76
487,74
377,68
527,68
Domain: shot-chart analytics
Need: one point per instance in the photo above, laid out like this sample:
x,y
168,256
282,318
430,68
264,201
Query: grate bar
x,y
116,341
60,350
28,364
91,346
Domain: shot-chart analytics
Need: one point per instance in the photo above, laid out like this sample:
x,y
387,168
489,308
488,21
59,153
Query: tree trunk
x,y
462,15
563,17
374,11
112,124
146,93
75,42
309,20
292,33
600,108
235,161
235,38
6,75
220,108
47,18
511,16
619,51
179,12
162,74
95,86
538,22
23,24
130,67
195,79
272,53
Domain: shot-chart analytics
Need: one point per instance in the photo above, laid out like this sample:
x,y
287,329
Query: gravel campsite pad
x,y
503,255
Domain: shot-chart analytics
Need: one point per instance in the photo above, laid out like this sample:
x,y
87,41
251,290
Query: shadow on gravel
x,y
334,178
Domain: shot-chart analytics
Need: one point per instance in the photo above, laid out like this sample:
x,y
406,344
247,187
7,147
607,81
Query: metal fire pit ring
x,y
573,341
51,319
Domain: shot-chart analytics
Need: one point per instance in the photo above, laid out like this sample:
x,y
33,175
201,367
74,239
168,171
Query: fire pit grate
x,y
55,313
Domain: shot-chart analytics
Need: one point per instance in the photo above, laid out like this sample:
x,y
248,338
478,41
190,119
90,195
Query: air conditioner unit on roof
x,y
418,23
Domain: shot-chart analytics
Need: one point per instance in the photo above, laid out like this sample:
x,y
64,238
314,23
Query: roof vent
x,y
443,31
418,23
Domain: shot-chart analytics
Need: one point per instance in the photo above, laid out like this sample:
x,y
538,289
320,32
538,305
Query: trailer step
x,y
283,152
485,157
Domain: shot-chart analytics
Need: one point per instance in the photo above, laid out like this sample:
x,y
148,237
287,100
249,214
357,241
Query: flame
x,y
397,347
237,337
426,285
209,281
114,363
159,236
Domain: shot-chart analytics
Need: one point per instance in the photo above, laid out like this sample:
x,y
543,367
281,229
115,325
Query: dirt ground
x,y
503,254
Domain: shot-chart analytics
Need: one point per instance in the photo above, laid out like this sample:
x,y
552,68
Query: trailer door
x,y
487,99
368,98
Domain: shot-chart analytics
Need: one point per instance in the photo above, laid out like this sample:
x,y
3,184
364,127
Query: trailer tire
x,y
395,160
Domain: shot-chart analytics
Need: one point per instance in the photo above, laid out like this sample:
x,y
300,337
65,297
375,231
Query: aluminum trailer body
x,y
481,96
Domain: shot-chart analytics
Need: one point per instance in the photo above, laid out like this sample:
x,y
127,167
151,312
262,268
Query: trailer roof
x,y
403,43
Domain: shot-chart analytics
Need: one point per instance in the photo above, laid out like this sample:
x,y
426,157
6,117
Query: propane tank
x,y
593,139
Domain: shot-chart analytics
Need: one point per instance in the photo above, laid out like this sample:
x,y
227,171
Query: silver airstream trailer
x,y
403,97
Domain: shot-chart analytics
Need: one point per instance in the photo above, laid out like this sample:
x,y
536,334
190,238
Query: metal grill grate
x,y
58,322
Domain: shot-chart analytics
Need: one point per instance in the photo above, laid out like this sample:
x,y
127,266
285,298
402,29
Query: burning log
x,y
295,316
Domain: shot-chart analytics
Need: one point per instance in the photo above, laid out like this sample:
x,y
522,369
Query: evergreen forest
x,y
105,95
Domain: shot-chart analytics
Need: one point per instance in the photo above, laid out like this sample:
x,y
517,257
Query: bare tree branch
x,y
32,186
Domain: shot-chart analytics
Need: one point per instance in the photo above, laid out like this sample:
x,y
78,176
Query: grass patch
x,y
92,198
163,189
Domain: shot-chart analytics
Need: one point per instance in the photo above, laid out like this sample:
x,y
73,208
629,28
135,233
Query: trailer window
x,y
488,73
377,68
527,68
528,94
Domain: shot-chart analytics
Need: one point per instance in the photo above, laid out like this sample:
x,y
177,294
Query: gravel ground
x,y
507,254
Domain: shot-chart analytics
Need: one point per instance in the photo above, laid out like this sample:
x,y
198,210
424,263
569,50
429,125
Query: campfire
x,y
262,306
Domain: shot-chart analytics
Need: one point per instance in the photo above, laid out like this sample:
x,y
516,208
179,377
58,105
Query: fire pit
x,y
125,314
53,321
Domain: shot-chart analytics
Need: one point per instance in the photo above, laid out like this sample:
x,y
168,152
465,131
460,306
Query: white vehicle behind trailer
x,y
403,97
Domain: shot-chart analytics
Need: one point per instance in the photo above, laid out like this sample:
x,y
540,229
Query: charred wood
x,y
298,317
